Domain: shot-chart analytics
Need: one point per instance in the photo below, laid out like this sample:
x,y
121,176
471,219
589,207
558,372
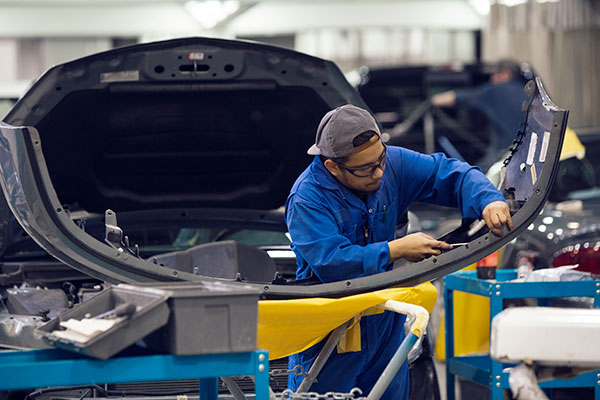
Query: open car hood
x,y
189,122
28,183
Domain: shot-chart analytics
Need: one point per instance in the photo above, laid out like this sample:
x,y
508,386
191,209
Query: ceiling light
x,y
511,3
210,12
481,6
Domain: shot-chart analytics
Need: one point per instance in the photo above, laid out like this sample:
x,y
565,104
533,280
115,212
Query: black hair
x,y
513,67
363,138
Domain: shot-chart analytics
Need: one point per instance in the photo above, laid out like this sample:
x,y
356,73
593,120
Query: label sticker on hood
x,y
120,76
532,146
196,56
544,148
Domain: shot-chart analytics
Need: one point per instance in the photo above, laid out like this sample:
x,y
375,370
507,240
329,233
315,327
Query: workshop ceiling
x,y
155,19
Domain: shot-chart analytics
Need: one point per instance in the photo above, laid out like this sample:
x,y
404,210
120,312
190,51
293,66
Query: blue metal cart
x,y
42,368
484,370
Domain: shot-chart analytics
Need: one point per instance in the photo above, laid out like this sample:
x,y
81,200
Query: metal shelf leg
x,y
449,303
496,305
208,389
261,379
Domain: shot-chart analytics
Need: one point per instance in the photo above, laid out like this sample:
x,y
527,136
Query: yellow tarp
x,y
288,326
572,147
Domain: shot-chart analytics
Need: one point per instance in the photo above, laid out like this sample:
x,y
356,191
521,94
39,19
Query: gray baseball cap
x,y
338,128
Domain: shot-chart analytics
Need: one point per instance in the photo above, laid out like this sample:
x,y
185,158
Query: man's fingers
x,y
495,219
443,245
510,223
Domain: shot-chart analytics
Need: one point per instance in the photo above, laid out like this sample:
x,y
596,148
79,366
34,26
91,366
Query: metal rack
x,y
41,368
484,370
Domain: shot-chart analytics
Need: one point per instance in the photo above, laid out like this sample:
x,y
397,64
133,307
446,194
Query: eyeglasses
x,y
364,172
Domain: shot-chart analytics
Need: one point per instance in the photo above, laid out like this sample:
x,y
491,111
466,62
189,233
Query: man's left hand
x,y
496,214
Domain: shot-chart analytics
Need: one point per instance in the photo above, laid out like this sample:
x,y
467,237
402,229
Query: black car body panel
x,y
28,181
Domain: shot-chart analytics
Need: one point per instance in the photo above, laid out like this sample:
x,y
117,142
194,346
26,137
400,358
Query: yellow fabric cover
x,y
572,147
289,326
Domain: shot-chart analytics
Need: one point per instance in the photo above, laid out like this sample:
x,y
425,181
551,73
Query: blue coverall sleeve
x,y
331,255
448,182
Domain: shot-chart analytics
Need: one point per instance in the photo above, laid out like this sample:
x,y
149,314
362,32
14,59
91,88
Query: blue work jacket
x,y
336,235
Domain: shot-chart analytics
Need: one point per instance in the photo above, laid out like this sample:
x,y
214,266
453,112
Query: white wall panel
x,y
8,66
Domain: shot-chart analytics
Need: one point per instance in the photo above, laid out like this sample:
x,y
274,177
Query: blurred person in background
x,y
500,100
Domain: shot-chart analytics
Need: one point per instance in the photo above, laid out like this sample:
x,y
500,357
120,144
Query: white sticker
x,y
120,76
197,56
532,146
544,148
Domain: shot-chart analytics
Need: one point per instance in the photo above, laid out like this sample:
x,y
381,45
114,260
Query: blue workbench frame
x,y
42,368
484,370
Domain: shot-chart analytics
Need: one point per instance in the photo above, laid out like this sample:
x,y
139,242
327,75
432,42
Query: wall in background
x,y
561,41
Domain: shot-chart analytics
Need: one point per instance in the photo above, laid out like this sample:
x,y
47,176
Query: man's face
x,y
369,157
501,76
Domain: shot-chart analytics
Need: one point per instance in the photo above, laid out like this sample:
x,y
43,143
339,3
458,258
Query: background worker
x,y
500,100
342,214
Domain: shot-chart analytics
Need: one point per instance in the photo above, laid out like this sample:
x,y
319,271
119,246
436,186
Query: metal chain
x,y
355,394
298,370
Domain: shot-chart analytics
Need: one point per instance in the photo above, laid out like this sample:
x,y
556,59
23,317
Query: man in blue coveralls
x,y
342,214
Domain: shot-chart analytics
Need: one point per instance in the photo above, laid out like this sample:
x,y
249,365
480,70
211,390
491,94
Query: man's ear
x,y
332,167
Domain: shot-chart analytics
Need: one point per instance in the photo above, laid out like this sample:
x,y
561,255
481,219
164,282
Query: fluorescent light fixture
x,y
481,6
210,12
511,3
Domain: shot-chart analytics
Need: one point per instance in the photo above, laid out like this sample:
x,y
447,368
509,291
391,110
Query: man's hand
x,y
496,214
416,247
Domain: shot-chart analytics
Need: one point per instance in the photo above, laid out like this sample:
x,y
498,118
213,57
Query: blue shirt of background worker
x,y
342,214
500,100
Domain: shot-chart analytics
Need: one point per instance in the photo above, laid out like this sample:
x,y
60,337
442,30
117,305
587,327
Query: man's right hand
x,y
416,247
